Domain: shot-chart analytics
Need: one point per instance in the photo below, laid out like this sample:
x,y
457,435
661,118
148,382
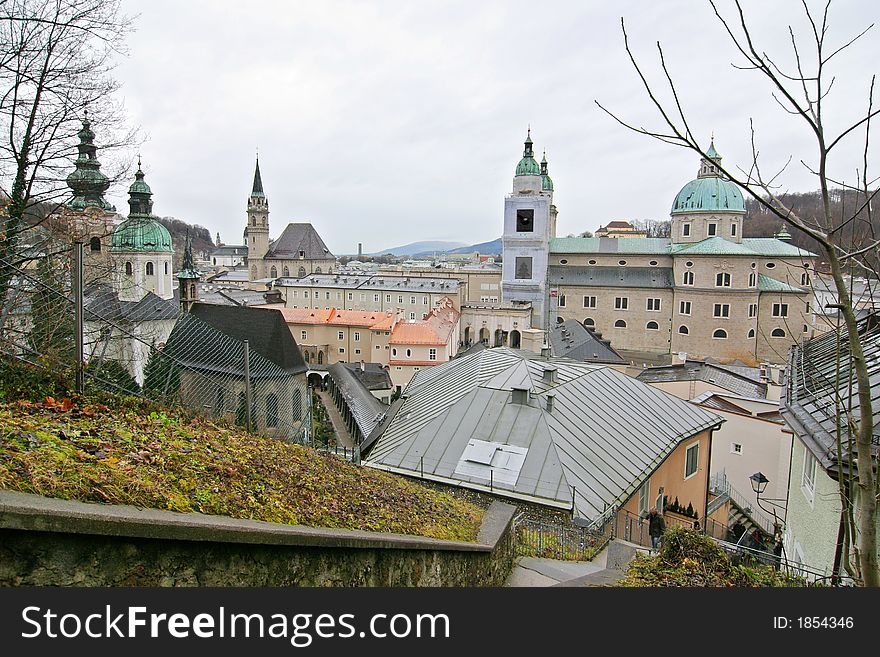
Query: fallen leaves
x,y
130,452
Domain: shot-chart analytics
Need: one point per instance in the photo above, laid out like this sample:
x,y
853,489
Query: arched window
x,y
720,333
286,271
306,356
652,326
409,353
778,333
301,272
166,268
128,269
620,324
752,279
394,352
683,330
722,279
95,244
271,410
215,261
320,357
192,290
688,278
589,322
805,279
751,333
297,405
150,269
317,270
273,273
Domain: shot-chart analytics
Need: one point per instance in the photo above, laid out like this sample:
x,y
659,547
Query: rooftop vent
x,y
551,398
549,374
519,396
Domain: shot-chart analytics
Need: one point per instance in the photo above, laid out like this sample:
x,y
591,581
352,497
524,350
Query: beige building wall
x,y
297,267
670,476
417,304
775,349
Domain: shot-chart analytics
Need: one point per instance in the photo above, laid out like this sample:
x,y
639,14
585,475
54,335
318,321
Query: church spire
x,y
188,276
140,201
258,182
87,181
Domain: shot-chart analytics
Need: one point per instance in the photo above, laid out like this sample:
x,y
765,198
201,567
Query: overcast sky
x,y
392,122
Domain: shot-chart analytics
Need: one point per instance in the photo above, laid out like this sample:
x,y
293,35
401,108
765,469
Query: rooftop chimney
x,y
551,398
520,396
549,374
360,250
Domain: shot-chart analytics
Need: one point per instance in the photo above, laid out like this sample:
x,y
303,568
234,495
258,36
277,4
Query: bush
x,y
689,558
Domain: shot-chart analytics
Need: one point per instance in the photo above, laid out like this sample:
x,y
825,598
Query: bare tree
x,y
801,91
56,59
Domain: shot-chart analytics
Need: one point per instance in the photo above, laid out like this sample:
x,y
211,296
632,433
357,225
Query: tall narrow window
x,y
271,410
722,279
688,278
692,460
712,230
150,269
95,244
128,269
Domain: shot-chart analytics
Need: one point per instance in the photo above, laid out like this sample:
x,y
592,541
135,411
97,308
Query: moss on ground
x,y
126,451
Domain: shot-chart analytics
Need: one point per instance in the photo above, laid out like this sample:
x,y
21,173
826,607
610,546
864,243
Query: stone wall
x,y
46,541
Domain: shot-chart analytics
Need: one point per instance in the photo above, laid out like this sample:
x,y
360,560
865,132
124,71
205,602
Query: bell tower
x,y
529,219
257,231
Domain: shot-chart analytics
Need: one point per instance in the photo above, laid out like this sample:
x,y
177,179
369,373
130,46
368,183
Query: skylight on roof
x,y
493,462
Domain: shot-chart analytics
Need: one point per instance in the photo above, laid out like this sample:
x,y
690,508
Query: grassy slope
x,y
133,453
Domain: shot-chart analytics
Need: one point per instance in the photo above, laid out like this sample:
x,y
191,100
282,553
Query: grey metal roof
x,y
611,276
605,434
819,375
570,339
723,376
264,329
366,410
102,304
230,250
374,282
299,237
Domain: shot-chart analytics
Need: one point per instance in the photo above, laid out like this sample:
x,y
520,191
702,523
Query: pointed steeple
x,y
188,276
546,182
709,166
87,181
140,201
258,182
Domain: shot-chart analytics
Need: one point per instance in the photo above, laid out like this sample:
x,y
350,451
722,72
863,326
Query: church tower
x,y
257,232
529,224
188,278
87,215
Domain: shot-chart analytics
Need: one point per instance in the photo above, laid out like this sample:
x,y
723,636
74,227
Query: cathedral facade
x,y
706,291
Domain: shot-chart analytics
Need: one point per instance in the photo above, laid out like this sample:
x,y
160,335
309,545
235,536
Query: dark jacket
x,y
656,525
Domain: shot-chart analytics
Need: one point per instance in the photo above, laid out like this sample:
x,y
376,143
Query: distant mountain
x,y
419,247
483,248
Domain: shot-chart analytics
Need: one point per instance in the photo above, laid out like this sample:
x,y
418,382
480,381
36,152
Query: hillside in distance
x,y
419,247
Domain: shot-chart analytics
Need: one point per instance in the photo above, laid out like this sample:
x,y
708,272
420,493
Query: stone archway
x,y
467,336
484,336
515,339
499,338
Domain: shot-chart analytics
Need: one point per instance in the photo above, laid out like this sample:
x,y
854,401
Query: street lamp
x,y
759,483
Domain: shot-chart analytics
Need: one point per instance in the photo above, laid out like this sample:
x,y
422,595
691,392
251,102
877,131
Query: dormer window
x,y
302,254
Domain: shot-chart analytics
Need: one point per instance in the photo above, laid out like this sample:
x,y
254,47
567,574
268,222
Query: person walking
x,y
656,527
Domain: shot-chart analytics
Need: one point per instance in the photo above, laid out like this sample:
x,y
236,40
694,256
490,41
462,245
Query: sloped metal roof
x,y
819,376
605,433
299,237
767,284
630,245
571,340
366,410
733,379
611,276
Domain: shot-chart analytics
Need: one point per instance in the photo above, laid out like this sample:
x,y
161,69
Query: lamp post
x,y
759,485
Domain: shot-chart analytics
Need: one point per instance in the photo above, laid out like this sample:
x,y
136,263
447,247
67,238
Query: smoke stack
x,y
549,374
360,250
551,398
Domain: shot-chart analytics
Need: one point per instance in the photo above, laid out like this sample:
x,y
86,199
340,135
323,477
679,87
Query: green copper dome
x,y
709,195
140,233
710,191
528,166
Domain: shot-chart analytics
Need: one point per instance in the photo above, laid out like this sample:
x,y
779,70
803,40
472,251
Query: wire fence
x,y
142,345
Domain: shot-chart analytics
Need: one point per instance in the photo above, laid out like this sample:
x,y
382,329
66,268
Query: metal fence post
x,y
78,312
248,392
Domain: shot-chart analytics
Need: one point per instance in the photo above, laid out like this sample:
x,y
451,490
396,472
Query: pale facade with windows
x,y
706,291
